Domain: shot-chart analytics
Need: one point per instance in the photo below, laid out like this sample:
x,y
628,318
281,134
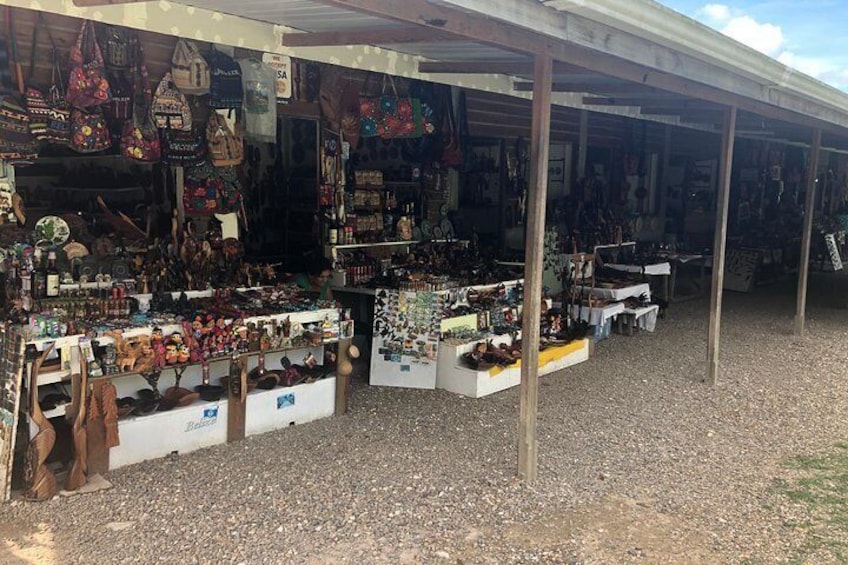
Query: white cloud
x,y
766,38
813,67
714,13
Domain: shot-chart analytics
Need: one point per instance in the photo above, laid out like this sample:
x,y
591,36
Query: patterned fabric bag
x,y
200,194
389,115
87,85
118,49
229,190
225,88
48,113
89,131
183,148
226,148
140,138
170,107
17,144
189,69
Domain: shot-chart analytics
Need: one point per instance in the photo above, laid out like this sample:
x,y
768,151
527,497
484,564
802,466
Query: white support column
x,y
533,267
720,243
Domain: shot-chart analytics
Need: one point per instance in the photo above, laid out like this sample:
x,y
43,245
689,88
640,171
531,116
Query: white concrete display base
x,y
456,378
180,430
204,424
277,408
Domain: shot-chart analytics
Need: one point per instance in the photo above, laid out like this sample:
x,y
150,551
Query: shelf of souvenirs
x,y
292,324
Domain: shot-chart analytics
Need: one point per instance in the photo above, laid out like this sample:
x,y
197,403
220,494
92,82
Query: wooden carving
x,y
39,480
77,475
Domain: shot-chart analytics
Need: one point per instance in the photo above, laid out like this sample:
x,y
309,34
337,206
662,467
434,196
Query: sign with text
x,y
282,66
833,251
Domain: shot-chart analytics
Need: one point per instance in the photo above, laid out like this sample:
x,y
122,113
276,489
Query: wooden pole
x,y
343,370
807,236
541,128
725,166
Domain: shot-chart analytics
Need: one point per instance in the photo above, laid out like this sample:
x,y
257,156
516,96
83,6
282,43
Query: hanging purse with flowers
x,y
87,84
140,137
89,131
388,115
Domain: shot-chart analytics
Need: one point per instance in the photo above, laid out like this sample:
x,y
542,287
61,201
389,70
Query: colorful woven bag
x,y
87,84
140,138
17,144
89,131
225,147
189,69
170,107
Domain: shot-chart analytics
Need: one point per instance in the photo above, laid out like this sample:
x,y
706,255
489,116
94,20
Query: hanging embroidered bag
x,y
200,190
87,85
140,138
183,148
189,69
225,147
89,131
17,144
170,107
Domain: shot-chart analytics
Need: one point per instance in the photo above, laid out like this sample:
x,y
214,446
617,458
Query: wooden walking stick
x,y
40,481
77,475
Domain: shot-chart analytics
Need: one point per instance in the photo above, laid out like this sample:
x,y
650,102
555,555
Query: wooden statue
x,y
77,475
40,481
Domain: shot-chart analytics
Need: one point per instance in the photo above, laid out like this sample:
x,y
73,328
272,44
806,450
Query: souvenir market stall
x,y
138,324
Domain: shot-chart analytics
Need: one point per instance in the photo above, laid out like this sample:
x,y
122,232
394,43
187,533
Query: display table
x,y
470,382
598,315
644,318
654,269
622,293
682,263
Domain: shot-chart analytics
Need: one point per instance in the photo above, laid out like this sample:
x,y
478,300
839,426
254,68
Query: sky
x,y
808,35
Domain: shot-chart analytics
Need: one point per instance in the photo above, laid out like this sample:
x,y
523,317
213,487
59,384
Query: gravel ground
x,y
639,463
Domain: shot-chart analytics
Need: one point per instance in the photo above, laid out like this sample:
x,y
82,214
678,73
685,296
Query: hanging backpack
x,y
170,108
225,89
183,148
189,69
118,49
225,147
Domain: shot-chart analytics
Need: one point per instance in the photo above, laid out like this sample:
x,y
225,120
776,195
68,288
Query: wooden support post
x,y
582,144
807,236
533,259
342,375
720,243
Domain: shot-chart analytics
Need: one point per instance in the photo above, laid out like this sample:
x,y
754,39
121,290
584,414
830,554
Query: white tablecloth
x,y
623,293
597,316
646,316
663,268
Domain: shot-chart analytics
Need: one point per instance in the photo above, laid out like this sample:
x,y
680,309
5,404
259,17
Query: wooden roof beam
x,y
606,86
515,67
416,34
